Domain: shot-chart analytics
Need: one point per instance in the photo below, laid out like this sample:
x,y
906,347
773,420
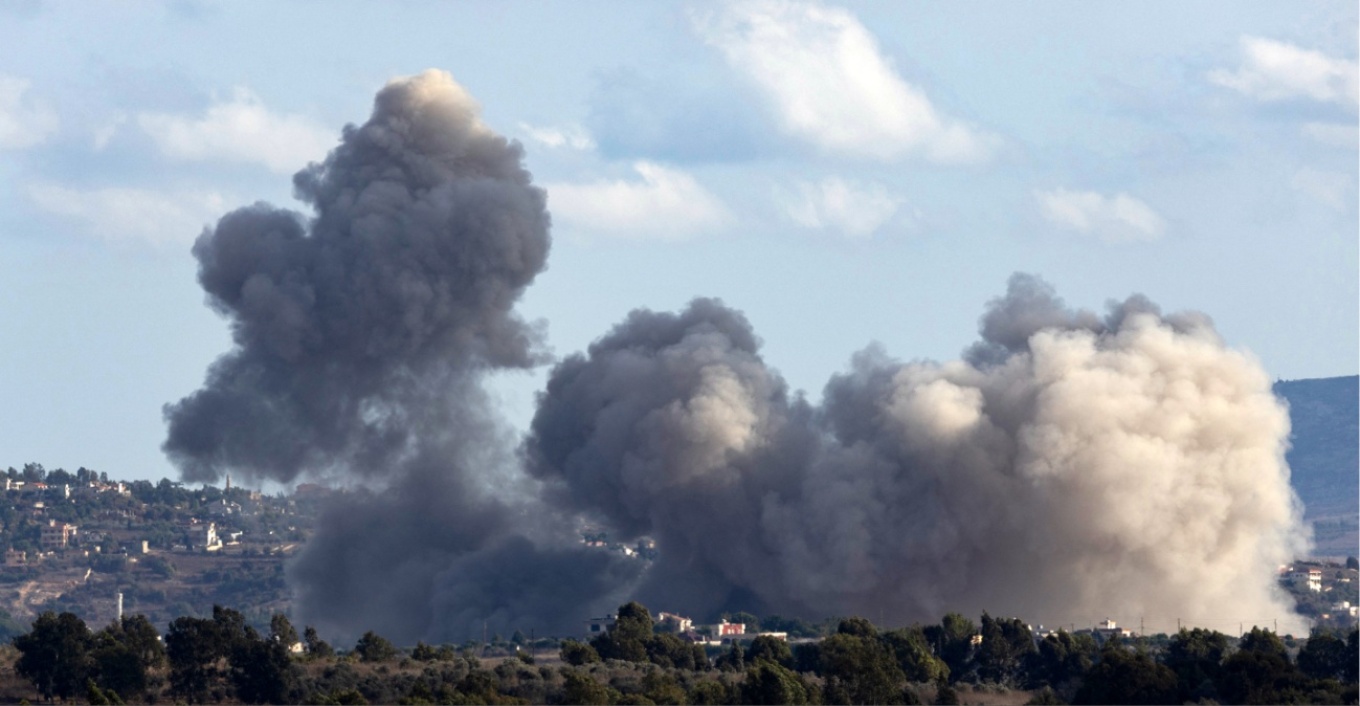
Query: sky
x,y
846,174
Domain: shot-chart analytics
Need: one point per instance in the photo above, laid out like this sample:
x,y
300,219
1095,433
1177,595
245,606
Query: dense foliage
x,y
224,659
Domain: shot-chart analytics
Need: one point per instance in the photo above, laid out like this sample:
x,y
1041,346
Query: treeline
x,y
223,659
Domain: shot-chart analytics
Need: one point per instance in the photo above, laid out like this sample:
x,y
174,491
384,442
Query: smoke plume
x,y
362,334
1072,467
1069,467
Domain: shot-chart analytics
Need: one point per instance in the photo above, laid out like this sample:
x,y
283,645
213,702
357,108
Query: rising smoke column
x,y
362,334
1071,467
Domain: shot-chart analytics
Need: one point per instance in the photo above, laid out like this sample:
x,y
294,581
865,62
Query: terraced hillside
x,y
1325,458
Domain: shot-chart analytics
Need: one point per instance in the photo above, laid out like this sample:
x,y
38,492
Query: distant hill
x,y
1325,458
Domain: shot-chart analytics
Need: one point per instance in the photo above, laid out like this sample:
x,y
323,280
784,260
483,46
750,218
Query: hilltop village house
x,y
57,535
721,633
1312,577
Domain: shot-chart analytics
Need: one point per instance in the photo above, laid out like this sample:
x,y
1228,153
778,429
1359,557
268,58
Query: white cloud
x,y
831,86
23,122
665,203
104,133
853,209
1273,71
573,136
1334,189
1118,218
128,215
240,130
1343,135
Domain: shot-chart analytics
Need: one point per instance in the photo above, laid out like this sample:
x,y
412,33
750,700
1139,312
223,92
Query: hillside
x,y
1325,457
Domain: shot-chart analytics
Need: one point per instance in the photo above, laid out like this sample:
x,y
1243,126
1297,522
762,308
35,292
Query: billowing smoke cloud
x,y
1069,467
1072,467
362,334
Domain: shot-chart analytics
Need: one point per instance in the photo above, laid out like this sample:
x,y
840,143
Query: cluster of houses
x,y
1310,578
721,633
56,536
65,490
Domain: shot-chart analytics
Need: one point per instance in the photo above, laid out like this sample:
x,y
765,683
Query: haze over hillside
x,y
1324,457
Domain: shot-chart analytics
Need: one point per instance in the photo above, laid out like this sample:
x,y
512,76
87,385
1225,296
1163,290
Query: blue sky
x,y
845,173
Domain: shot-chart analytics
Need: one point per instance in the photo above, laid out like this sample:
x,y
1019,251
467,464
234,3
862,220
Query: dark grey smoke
x,y
425,232
362,334
1071,467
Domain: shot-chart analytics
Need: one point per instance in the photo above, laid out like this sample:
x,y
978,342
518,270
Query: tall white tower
x,y
120,606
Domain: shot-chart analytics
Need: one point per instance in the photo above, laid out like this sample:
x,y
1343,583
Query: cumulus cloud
x,y
835,204
665,202
240,130
24,122
572,136
830,85
1118,218
1334,189
105,133
132,215
1343,135
1272,71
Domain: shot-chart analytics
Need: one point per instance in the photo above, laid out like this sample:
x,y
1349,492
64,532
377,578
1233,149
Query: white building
x,y
57,535
211,542
596,626
1312,578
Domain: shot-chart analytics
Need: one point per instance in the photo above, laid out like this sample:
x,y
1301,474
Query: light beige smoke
x,y
1068,470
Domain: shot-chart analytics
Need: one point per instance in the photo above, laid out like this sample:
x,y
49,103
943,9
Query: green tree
x,y
281,630
859,667
708,692
952,641
578,653
769,683
583,689
914,657
1263,641
1124,677
627,637
373,647
771,649
424,653
193,647
124,654
662,688
1005,650
1324,657
316,647
1260,676
97,697
55,655
262,672
1062,658
1196,655
733,660
1353,661
669,651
